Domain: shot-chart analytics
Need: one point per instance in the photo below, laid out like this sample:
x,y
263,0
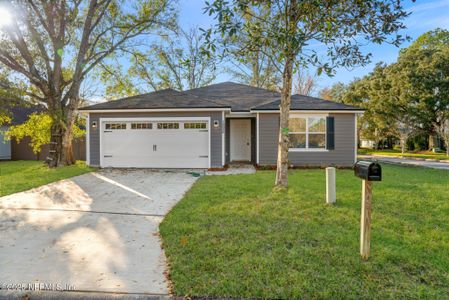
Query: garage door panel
x,y
155,148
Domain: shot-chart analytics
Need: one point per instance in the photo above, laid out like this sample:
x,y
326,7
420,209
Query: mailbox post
x,y
369,172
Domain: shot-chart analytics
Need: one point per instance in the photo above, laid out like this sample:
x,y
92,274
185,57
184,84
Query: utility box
x,y
367,170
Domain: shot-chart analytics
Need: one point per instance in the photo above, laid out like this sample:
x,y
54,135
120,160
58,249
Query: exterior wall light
x,y
216,124
94,124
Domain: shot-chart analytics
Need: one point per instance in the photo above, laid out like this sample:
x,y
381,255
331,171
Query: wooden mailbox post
x,y
369,172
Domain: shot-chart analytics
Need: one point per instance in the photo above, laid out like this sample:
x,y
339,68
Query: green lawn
x,y
17,176
395,152
231,237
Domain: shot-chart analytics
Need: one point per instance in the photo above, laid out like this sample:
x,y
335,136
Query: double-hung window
x,y
307,132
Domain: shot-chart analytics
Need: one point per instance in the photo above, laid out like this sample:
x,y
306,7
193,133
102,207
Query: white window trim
x,y
88,139
257,138
355,138
307,116
223,132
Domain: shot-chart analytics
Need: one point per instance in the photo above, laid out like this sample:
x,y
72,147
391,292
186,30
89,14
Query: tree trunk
x,y
67,158
282,161
431,142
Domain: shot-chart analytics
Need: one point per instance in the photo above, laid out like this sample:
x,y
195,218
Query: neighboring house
x,y
5,145
367,143
213,126
11,150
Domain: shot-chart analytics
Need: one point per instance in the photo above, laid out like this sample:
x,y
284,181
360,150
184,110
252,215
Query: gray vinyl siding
x,y
343,155
216,133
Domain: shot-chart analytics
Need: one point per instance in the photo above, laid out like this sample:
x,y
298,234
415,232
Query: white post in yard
x,y
331,197
365,221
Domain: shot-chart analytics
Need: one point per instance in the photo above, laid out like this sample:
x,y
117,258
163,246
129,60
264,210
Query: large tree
x,y
421,78
255,68
177,61
304,83
54,45
289,28
334,92
12,93
387,114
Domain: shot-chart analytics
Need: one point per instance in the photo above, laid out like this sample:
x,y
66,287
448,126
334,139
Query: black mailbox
x,y
368,170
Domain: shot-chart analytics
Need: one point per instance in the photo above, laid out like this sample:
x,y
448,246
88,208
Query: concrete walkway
x,y
405,161
235,169
97,232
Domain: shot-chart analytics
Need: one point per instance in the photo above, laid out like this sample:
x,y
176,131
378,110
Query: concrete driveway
x,y
94,232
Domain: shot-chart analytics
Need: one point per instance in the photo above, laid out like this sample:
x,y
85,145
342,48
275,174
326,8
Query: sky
x,y
425,15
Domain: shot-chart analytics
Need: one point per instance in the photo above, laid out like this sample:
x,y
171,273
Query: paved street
x,y
405,161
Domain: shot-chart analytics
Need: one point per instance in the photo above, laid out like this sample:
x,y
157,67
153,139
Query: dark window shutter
x,y
330,133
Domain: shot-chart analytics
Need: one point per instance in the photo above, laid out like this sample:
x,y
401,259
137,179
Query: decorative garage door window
x,y
167,125
115,126
141,125
195,125
307,132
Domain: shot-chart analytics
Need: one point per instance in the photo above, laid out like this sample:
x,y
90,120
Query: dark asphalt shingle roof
x,y
238,97
19,114
301,102
241,97
167,98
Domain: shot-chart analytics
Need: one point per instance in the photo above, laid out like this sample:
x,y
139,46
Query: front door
x,y
240,141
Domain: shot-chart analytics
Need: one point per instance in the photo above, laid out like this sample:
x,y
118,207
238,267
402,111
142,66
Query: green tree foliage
x,y
4,119
289,28
12,93
373,93
37,128
257,67
334,93
421,78
410,96
175,61
54,45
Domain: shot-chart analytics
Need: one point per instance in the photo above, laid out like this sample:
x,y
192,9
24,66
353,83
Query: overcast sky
x,y
426,15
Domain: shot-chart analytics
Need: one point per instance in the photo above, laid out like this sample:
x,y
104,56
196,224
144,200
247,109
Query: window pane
x,y
317,124
317,140
115,126
297,140
167,125
194,125
297,125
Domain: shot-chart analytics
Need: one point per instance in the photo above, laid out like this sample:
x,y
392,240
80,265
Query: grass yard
x,y
17,176
231,237
397,153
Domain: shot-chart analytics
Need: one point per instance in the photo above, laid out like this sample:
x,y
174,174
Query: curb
x,y
410,158
78,295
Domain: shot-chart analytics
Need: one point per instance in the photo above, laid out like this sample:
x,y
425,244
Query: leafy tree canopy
x,y
37,128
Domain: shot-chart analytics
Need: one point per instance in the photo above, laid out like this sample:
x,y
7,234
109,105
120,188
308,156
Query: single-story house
x,y
212,126
11,150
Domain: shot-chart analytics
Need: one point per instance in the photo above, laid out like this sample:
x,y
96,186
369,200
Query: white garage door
x,y
148,143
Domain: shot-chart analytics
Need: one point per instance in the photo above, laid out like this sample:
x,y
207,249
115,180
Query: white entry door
x,y
240,139
149,143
